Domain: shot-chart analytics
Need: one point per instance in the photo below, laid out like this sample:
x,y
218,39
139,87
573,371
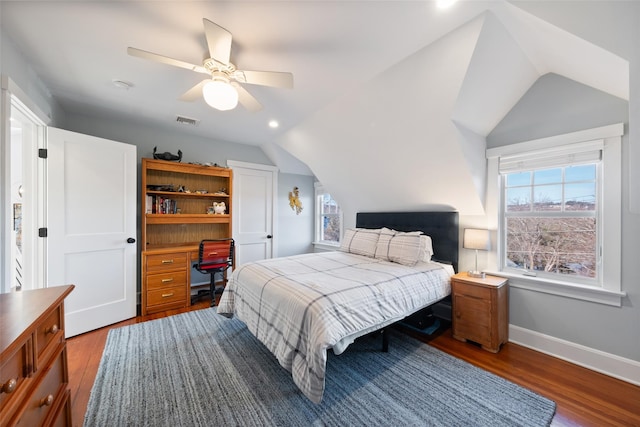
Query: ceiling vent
x,y
187,121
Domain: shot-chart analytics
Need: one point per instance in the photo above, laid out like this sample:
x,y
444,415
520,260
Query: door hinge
x,y
42,232
42,153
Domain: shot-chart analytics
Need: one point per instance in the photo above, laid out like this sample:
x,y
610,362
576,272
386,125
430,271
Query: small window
x,y
328,218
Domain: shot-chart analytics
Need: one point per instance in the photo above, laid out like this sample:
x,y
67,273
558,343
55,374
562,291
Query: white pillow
x,y
382,248
360,241
405,249
426,248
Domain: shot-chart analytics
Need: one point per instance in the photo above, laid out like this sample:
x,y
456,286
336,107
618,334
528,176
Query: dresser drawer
x,y
48,331
13,375
472,290
170,295
169,261
165,280
47,393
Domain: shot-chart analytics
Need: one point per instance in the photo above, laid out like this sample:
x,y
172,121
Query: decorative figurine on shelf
x,y
294,200
167,155
219,208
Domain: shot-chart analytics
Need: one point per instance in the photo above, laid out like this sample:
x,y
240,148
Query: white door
x,y
254,230
91,210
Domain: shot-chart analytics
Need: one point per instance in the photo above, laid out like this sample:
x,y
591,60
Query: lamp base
x,y
477,274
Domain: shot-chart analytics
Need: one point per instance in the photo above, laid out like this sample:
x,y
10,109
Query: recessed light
x,y
273,124
443,4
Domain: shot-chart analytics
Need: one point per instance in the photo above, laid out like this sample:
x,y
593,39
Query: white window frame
x,y
318,242
608,289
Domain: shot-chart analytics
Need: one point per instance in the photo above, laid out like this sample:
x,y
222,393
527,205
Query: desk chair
x,y
215,256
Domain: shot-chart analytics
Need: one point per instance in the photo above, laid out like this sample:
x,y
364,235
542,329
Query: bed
x,y
303,305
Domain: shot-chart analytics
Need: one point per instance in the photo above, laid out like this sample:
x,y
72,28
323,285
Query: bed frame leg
x,y
385,340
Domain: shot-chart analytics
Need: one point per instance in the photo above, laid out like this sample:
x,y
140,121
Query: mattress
x,y
300,306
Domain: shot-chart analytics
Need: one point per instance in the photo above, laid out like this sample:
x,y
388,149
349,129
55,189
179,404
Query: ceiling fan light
x,y
220,95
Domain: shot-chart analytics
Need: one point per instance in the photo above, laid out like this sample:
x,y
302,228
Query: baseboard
x,y
606,363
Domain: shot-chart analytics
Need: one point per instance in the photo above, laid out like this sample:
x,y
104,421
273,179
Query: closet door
x,y
91,209
254,230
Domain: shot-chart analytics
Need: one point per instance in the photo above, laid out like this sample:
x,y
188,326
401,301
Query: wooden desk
x,y
34,377
166,277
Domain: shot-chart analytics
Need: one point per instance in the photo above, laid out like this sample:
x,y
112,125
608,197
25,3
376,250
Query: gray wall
x,y
295,231
555,105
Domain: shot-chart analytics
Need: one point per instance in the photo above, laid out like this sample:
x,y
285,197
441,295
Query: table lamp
x,y
478,239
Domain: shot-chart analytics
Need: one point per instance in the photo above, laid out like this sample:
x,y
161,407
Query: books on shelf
x,y
160,205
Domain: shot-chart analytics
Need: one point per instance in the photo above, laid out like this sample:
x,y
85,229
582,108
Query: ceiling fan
x,y
223,89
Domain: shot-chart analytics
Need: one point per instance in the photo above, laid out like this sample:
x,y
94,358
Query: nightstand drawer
x,y
165,280
473,319
170,261
472,290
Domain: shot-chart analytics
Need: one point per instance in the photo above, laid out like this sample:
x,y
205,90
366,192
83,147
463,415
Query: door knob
x,y
131,240
269,236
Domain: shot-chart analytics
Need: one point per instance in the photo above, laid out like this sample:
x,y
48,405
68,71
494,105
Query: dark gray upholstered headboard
x,y
442,227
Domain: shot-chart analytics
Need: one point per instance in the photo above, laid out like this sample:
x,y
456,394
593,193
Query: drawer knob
x,y
167,280
167,261
9,386
46,401
167,295
53,329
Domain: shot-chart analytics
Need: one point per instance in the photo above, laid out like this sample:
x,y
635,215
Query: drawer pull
x,y
52,330
46,401
9,386
167,280
167,295
167,261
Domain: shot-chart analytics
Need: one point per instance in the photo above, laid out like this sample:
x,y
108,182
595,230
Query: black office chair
x,y
215,256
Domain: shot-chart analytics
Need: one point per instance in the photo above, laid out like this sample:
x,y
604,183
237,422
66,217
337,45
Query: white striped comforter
x,y
300,306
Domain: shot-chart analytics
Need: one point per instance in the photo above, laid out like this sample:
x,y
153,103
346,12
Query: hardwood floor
x,y
583,397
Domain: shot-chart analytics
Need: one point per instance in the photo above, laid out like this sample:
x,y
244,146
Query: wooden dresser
x,y
33,363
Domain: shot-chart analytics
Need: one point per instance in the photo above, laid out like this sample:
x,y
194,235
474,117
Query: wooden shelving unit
x,y
172,230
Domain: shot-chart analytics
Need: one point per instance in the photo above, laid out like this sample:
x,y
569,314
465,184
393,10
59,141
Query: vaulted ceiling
x,y
391,101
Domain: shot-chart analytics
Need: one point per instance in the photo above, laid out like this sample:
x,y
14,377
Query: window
x,y
551,225
328,218
557,206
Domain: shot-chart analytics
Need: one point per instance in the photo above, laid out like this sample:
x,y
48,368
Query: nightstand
x,y
480,310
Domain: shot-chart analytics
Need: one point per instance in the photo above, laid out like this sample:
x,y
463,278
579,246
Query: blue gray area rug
x,y
202,369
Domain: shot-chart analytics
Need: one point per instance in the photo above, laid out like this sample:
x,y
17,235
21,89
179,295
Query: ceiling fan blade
x,y
218,40
247,100
266,78
165,60
194,93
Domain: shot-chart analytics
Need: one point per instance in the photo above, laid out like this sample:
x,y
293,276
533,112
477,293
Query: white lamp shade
x,y
475,238
220,95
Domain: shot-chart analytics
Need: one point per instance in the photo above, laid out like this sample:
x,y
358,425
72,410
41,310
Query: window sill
x,y
565,289
323,246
